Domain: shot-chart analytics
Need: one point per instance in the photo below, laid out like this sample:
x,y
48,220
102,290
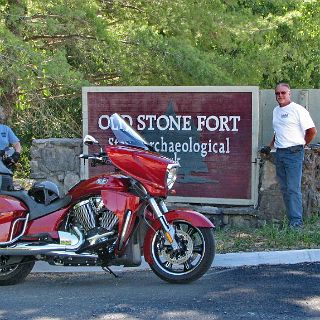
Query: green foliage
x,y
22,170
270,237
50,49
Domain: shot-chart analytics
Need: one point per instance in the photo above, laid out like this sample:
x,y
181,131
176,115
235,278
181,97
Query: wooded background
x,y
50,49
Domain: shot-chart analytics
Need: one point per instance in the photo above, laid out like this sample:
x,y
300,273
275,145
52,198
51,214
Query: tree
x,y
50,49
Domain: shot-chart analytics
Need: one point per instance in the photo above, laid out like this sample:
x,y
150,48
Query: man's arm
x,y
17,147
271,145
310,134
267,149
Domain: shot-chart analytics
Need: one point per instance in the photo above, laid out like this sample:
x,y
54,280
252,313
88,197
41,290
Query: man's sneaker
x,y
296,226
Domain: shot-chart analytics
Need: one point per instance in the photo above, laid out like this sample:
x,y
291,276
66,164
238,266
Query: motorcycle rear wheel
x,y
14,273
191,261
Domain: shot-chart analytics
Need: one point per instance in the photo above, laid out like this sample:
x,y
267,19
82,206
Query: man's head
x,y
283,94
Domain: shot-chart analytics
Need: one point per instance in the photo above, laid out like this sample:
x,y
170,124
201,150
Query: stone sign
x,y
211,131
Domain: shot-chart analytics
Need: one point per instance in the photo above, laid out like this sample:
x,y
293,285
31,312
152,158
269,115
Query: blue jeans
x,y
289,162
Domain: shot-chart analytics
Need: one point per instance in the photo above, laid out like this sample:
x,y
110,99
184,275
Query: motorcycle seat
x,y
37,210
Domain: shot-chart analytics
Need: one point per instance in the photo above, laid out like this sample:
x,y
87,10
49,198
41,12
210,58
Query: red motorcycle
x,y
110,219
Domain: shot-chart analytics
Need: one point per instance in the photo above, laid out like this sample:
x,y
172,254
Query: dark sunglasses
x,y
281,92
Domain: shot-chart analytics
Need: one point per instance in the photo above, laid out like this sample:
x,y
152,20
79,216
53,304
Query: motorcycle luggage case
x,y
12,214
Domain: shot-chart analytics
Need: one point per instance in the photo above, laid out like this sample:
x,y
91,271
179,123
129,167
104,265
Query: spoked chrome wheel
x,y
190,261
7,270
14,269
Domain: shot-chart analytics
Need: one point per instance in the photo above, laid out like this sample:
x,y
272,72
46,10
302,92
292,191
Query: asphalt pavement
x,y
221,260
266,292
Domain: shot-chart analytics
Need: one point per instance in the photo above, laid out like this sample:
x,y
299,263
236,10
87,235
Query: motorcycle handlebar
x,y
96,158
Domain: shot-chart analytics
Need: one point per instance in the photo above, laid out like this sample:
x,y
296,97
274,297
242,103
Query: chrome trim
x,y
169,168
141,186
28,248
165,225
12,229
72,254
173,165
125,228
94,239
163,206
85,211
68,239
155,207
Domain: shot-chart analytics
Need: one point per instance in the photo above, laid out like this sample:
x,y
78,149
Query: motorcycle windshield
x,y
126,135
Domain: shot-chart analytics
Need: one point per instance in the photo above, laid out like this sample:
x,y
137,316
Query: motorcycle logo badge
x,y
102,181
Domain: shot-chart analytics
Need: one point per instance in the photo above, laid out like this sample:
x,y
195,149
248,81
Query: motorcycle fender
x,y
195,218
11,209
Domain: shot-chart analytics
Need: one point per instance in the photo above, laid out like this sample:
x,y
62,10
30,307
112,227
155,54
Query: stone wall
x,y
57,160
271,206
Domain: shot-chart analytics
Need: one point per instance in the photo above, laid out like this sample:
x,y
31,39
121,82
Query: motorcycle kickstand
x,y
106,268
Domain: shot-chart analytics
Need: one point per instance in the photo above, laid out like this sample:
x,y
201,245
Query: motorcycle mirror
x,y
89,140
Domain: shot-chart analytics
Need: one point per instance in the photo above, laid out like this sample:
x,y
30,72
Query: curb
x,y
226,260
266,257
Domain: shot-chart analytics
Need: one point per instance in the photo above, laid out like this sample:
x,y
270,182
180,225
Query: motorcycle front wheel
x,y
188,263
13,271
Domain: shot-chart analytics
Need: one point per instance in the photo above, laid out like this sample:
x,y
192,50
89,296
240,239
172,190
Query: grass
x,y
269,237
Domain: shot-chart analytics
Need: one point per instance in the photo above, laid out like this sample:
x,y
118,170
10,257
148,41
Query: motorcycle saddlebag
x,y
12,218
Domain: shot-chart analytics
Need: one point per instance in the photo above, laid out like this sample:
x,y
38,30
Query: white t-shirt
x,y
289,124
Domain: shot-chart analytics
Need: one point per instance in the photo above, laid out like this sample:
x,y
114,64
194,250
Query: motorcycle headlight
x,y
172,171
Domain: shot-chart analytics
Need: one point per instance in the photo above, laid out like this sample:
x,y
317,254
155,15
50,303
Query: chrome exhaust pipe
x,y
68,242
71,254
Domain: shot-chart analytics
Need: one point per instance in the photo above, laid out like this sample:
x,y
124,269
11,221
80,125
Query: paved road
x,y
256,292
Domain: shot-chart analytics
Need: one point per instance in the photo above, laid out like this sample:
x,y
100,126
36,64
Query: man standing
x,y
293,130
7,138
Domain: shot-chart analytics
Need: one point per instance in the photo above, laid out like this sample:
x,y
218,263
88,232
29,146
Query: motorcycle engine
x,y
91,214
